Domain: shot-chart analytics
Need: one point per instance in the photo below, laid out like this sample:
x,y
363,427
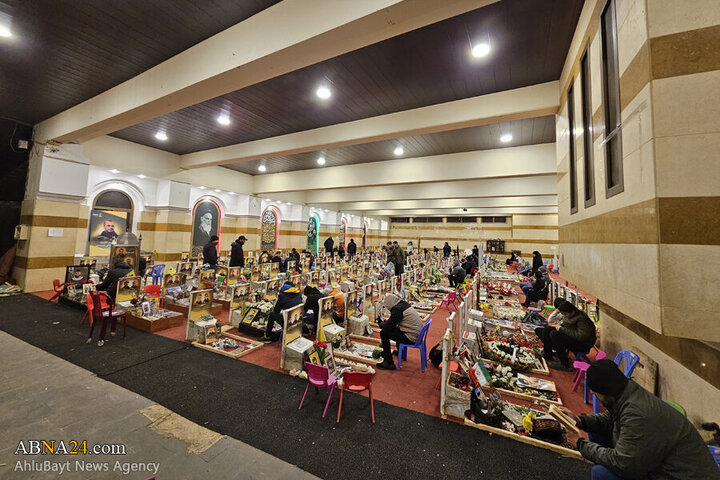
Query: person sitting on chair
x,y
403,326
639,436
457,275
576,334
534,293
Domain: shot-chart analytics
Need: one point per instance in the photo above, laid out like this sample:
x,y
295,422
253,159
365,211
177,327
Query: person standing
x,y
398,259
352,248
210,251
341,251
476,252
237,256
403,326
447,250
329,244
639,436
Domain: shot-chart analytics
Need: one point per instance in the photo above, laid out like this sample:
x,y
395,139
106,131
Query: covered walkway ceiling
x,y
414,122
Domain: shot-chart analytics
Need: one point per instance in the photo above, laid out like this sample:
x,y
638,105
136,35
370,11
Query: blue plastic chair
x,y
631,361
156,273
420,343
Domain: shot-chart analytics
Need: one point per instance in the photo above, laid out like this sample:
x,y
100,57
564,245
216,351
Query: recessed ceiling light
x,y
321,160
506,138
217,190
231,193
115,170
202,188
262,167
5,31
398,151
480,50
141,176
223,119
323,92
161,136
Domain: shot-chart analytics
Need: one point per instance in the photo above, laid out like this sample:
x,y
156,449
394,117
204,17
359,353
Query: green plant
x,y
376,353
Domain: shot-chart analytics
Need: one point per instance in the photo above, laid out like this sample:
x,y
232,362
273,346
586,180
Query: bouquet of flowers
x,y
264,307
504,353
321,349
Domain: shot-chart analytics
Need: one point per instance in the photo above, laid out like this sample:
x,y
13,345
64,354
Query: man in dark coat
x,y
639,436
447,250
237,256
210,251
352,248
577,333
288,297
312,297
109,285
329,244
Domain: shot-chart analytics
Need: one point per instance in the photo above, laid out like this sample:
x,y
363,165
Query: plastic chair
x,y
581,367
357,382
105,314
156,273
631,360
547,309
319,376
153,291
420,343
89,305
59,288
449,300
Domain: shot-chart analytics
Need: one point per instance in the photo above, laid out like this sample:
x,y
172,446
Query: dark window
x,y
419,219
611,102
468,219
571,136
399,220
434,219
494,219
453,219
500,219
113,199
588,164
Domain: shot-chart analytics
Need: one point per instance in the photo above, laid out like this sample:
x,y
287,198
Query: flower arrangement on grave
x,y
321,349
336,341
508,313
376,353
264,307
504,353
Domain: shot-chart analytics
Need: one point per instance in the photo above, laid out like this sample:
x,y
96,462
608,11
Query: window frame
x,y
572,156
588,144
611,106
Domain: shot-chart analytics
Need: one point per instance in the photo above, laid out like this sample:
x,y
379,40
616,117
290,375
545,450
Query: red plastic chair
x,y
319,376
105,314
153,291
59,289
357,382
449,300
89,312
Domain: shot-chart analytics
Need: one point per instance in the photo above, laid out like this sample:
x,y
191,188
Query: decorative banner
x,y
313,228
269,231
206,223
105,227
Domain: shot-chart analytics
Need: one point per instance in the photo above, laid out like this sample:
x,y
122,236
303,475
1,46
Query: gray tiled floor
x,y
45,398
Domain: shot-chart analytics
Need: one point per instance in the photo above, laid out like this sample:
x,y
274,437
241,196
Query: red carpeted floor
x,y
409,387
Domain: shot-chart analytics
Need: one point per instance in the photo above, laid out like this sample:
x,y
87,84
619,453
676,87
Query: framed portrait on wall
x,y
206,223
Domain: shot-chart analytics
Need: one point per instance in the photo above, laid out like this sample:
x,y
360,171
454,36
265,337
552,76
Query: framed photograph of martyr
x,y
130,254
291,264
171,280
77,274
206,223
250,315
239,297
127,289
200,304
234,275
188,268
105,227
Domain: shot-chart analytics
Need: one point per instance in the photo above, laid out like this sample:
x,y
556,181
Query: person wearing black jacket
x,y
109,285
534,293
403,326
447,250
476,252
312,298
341,251
329,244
537,262
237,256
277,258
210,251
288,297
352,248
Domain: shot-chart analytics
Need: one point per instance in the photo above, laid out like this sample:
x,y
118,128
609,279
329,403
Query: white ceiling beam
x,y
521,201
457,212
285,37
502,162
521,103
495,187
